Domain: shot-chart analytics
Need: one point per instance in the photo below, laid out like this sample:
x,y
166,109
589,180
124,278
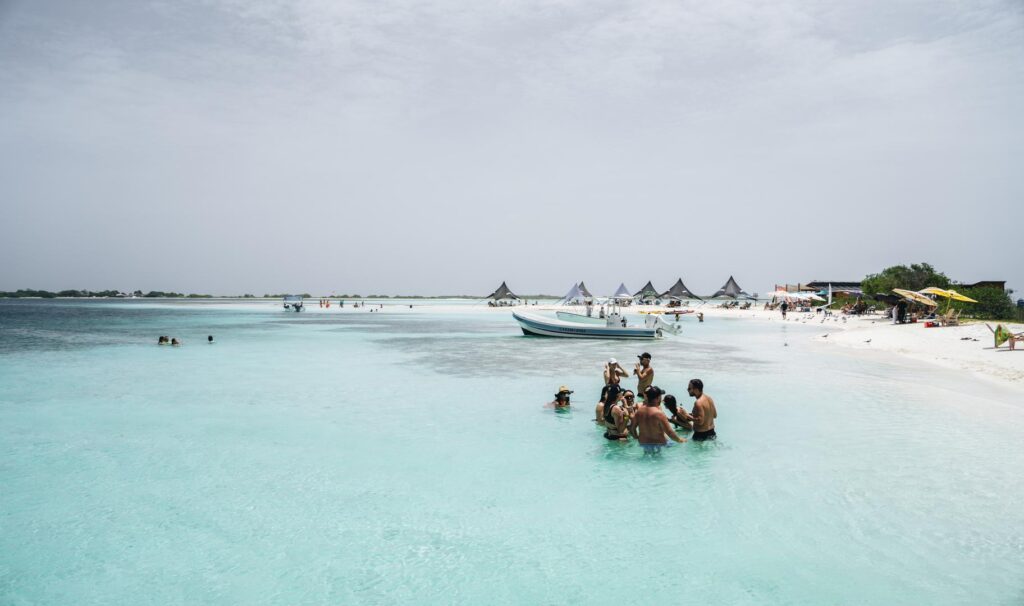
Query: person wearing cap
x,y
644,374
650,425
613,372
561,400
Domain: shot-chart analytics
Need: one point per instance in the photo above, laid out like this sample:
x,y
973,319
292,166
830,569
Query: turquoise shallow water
x,y
405,457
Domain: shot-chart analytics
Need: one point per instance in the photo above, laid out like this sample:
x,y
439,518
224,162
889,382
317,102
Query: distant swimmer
x,y
175,342
615,417
209,339
677,417
614,372
650,426
704,412
562,398
644,374
162,340
700,316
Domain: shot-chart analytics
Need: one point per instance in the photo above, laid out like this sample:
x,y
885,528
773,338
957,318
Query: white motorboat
x,y
612,327
293,303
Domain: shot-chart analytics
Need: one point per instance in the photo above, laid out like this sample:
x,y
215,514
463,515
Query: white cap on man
x,y
612,361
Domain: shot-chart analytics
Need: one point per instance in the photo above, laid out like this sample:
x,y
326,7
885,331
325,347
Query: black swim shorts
x,y
701,436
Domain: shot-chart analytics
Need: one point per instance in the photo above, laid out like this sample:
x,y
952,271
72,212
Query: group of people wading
x,y
626,414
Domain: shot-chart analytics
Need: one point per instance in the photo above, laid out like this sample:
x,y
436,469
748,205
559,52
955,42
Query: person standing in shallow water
x,y
650,425
704,412
644,374
679,418
784,307
615,418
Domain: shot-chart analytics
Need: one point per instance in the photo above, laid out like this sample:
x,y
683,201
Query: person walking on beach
x,y
704,412
644,374
784,307
650,426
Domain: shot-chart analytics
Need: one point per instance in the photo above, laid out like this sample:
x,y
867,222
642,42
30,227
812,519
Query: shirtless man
x,y
613,372
644,374
650,426
704,412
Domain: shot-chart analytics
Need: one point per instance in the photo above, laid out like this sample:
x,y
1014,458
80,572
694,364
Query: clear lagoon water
x,y
404,456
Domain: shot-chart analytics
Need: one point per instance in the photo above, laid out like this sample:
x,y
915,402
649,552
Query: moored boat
x,y
612,328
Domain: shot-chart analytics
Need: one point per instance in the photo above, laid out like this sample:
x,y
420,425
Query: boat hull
x,y
535,326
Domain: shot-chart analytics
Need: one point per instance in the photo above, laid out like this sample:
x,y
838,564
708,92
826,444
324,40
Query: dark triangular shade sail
x,y
679,291
730,289
648,291
586,293
502,293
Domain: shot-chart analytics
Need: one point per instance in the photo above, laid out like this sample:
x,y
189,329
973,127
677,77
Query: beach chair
x,y
951,318
1002,335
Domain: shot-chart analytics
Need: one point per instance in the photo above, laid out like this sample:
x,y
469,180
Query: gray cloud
x,y
438,147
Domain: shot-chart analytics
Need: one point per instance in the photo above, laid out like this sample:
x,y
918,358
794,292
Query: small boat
x,y
612,328
293,303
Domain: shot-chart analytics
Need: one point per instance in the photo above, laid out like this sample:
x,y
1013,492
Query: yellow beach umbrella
x,y
915,297
935,290
955,296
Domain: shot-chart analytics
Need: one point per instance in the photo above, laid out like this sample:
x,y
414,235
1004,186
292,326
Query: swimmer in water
x,y
562,399
650,426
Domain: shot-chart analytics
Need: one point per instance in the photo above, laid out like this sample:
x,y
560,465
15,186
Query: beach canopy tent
x,y
503,294
647,293
731,290
575,296
586,293
622,293
679,292
887,299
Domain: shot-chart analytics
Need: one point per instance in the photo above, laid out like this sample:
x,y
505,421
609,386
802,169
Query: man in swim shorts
x,y
644,374
704,412
650,426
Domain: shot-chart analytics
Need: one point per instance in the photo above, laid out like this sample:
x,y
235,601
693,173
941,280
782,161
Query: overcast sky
x,y
433,147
